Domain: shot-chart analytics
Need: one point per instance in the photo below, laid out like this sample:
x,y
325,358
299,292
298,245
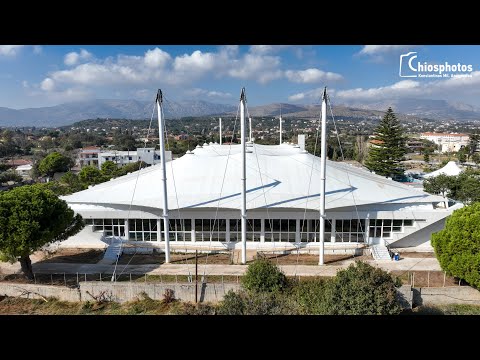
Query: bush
x,y
309,294
168,296
361,289
10,175
457,246
232,304
263,276
260,303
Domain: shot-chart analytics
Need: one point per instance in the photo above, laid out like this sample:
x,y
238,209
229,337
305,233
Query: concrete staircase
x,y
114,250
380,252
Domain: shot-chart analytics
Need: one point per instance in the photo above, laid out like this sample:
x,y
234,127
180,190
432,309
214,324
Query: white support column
x,y
220,128
193,230
367,231
262,231
161,128
334,230
297,230
323,163
127,232
244,177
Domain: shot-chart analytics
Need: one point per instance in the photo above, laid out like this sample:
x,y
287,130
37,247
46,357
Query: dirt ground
x,y
72,256
228,259
91,256
159,258
427,278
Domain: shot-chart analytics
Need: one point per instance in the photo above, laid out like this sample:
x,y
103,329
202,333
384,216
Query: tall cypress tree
x,y
385,154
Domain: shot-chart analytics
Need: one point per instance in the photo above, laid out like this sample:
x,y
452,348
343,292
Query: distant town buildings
x,y
88,156
447,142
94,156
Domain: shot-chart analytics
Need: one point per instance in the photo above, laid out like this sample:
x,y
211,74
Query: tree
x,y
109,169
362,289
54,162
457,246
441,184
426,157
72,182
476,158
10,175
462,155
389,148
31,217
90,175
131,168
263,276
360,150
473,144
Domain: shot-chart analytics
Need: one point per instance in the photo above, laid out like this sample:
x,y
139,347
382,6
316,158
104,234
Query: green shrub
x,y
309,294
361,289
232,304
457,246
263,276
257,303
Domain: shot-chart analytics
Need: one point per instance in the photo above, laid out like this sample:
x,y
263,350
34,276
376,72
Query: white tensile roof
x,y
451,169
280,176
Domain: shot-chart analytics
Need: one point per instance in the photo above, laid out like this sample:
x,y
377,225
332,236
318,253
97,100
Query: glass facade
x,y
278,230
384,228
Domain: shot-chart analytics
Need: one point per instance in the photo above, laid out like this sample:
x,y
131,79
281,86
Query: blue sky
x,y
35,76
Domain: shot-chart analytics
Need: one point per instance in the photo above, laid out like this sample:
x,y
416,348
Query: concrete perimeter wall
x,y
123,292
119,292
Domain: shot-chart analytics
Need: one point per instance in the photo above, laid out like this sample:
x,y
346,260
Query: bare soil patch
x,y
427,278
74,256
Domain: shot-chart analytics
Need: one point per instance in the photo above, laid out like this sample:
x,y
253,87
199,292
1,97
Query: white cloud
x,y
25,84
156,58
310,76
383,49
198,92
10,50
252,66
73,58
267,49
156,67
312,95
444,88
47,84
195,65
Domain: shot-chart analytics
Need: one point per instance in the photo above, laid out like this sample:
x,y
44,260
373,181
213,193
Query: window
x,y
350,230
211,229
144,229
110,227
384,228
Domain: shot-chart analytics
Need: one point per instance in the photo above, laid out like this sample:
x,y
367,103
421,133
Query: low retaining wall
x,y
446,295
119,292
31,291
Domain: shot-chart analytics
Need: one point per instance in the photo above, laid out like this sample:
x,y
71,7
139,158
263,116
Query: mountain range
x,y
66,114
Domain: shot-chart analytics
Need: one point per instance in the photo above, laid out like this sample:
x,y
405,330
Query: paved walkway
x,y
406,264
